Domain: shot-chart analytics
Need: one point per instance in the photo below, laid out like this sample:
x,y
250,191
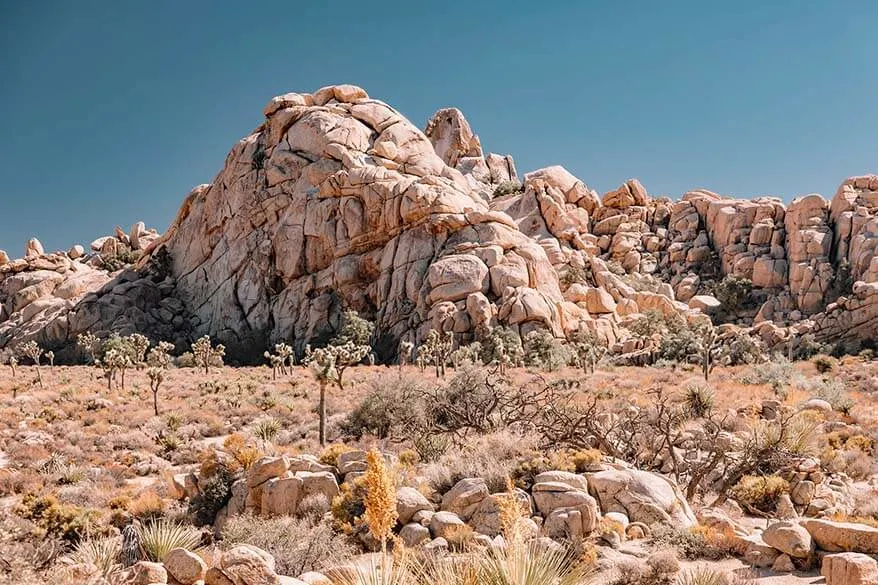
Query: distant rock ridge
x,y
337,201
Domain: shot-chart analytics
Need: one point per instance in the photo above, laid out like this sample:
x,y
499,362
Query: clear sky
x,y
111,111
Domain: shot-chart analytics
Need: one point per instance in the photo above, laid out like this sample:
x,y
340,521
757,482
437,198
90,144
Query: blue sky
x,y
111,111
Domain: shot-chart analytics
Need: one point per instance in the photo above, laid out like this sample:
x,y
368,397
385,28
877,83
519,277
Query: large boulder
x,y
644,497
849,569
789,538
184,566
464,498
842,536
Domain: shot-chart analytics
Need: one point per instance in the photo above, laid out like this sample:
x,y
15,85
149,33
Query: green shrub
x,y
542,350
65,521
699,400
760,493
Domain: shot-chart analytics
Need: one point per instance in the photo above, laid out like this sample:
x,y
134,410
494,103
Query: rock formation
x,y
337,201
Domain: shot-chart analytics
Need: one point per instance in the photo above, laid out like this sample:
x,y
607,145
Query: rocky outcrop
x,y
336,201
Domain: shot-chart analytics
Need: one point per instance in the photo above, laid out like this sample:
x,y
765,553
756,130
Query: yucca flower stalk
x,y
380,499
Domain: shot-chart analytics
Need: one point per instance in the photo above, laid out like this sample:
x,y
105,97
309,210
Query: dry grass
x,y
105,451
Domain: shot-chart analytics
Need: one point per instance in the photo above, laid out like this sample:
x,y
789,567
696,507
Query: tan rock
x,y
184,566
147,573
849,568
249,565
464,498
789,538
842,536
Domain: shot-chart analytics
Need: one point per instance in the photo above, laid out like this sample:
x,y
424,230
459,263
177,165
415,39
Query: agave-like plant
x,y
532,563
384,571
704,575
159,536
101,553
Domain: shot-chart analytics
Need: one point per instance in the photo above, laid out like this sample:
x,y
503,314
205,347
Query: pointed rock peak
x,y
452,137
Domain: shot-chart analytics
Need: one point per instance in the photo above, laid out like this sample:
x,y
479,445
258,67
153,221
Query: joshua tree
x,y
587,349
137,344
206,354
50,355
90,344
159,360
329,364
33,352
405,353
437,348
710,350
156,377
283,355
13,361
115,361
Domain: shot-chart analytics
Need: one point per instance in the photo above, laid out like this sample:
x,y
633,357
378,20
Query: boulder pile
x,y
336,201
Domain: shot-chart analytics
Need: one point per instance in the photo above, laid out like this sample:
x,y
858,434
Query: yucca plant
x,y
705,576
383,571
532,563
101,553
267,429
159,536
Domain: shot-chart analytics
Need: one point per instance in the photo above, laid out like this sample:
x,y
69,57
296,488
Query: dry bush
x,y
297,545
759,493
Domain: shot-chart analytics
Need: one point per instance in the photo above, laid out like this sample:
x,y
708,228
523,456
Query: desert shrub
x,y
833,392
694,543
159,536
393,409
733,292
214,492
778,372
584,459
705,575
354,329
824,363
508,188
65,521
186,360
542,350
760,493
297,545
459,538
527,469
147,505
502,345
313,507
331,453
349,506
492,457
660,568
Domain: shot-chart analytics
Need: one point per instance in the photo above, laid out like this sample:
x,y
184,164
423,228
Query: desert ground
x,y
79,461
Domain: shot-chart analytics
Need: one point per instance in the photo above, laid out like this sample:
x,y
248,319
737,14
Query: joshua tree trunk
x,y
39,377
321,411
155,399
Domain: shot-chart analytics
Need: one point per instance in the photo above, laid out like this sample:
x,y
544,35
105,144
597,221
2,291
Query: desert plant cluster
x,y
510,460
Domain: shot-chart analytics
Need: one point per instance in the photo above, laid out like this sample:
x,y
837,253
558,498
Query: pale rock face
x,y
337,201
849,568
642,496
842,536
464,498
443,522
789,538
452,137
184,566
409,502
33,248
249,565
